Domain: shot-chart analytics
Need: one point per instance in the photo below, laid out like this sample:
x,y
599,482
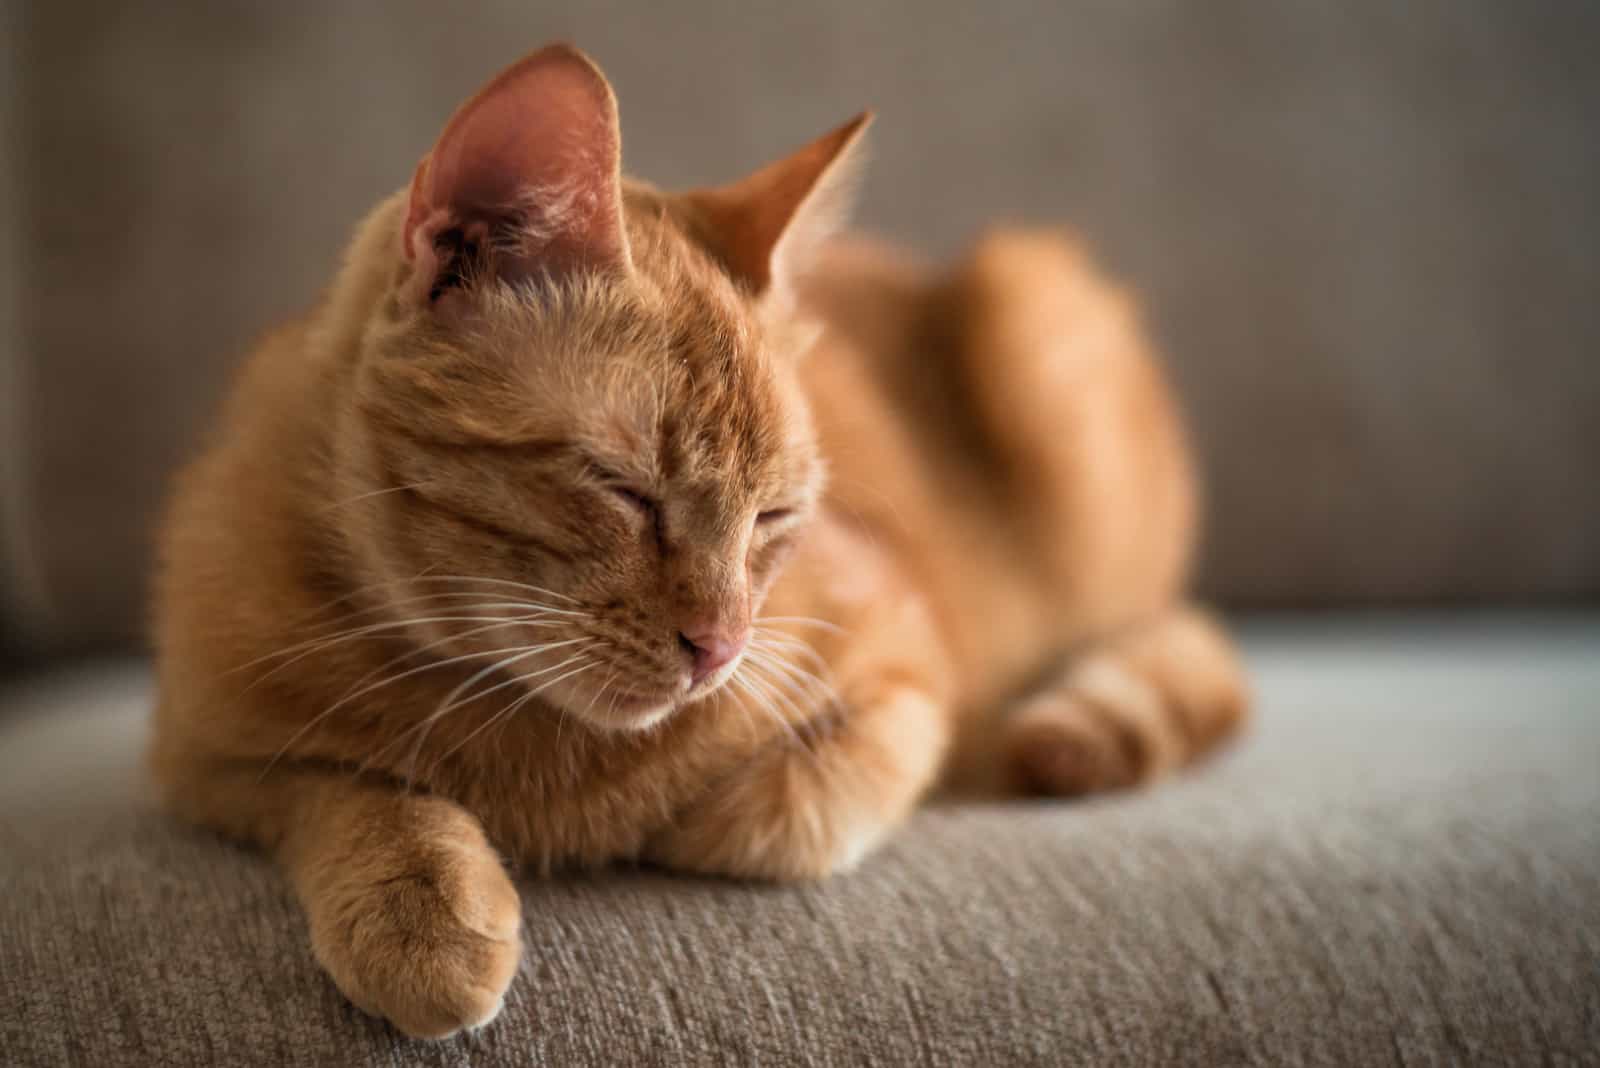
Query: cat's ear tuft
x,y
525,180
769,226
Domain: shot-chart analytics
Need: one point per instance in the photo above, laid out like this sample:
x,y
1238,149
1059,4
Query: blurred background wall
x,y
1366,235
19,578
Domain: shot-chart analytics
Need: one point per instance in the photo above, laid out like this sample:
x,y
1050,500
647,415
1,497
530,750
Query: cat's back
x,y
1003,422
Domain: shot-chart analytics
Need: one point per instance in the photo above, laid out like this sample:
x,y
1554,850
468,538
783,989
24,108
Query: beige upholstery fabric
x,y
1367,234
1402,866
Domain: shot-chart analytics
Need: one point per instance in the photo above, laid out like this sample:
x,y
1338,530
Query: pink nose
x,y
711,649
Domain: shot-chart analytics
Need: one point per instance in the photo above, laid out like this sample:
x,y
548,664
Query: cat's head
x,y
577,406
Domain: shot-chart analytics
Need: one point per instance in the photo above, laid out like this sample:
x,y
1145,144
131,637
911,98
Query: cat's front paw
x,y
814,805
779,827
432,948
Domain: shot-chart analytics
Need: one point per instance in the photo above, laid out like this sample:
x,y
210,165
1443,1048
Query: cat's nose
x,y
711,648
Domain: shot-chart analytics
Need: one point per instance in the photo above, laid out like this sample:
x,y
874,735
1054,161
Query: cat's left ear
x,y
525,180
768,227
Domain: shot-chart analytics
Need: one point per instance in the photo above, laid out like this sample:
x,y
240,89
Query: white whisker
x,y
783,644
421,577
390,603
745,690
755,680
611,705
325,713
375,631
512,681
510,708
454,699
610,678
315,645
795,673
520,621
803,621
497,582
373,493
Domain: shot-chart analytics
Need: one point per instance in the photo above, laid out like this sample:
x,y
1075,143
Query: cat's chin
x,y
624,712
631,714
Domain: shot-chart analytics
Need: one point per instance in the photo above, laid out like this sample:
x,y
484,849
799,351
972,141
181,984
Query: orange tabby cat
x,y
582,521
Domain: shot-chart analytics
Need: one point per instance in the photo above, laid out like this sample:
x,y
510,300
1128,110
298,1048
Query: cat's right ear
x,y
524,182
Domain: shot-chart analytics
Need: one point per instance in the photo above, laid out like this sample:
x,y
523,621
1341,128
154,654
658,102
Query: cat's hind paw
x,y
1129,713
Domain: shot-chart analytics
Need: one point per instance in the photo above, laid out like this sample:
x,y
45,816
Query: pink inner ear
x,y
528,170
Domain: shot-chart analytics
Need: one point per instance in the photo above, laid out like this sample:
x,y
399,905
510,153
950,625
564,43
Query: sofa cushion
x,y
1400,865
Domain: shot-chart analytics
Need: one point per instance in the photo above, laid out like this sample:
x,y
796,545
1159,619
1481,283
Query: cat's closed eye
x,y
640,502
774,515
622,489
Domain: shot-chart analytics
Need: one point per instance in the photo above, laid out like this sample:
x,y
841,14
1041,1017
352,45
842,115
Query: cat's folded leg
x,y
1128,710
410,910
817,800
